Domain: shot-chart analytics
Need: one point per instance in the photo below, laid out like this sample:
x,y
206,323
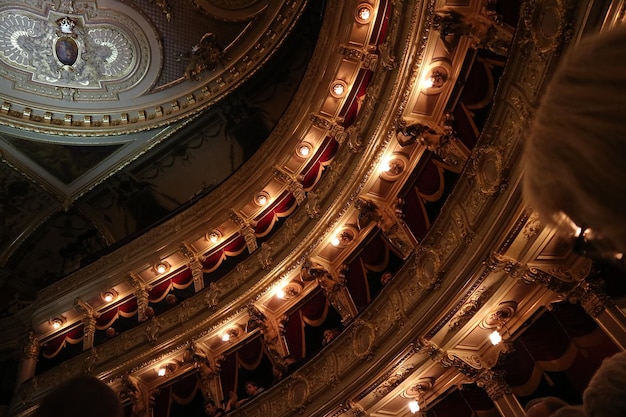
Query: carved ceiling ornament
x,y
364,335
298,392
488,169
427,267
547,23
101,68
90,51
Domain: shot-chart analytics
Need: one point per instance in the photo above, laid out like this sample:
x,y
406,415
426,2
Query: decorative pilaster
x,y
273,333
367,59
195,264
89,316
522,272
334,287
209,369
246,228
142,291
334,127
140,397
293,183
390,221
483,32
28,362
591,296
494,383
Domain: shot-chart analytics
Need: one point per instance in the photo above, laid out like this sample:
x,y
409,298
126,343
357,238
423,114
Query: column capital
x,y
494,383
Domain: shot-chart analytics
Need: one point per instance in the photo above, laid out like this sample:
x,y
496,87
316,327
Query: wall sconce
x,y
166,369
497,319
213,236
417,393
230,334
108,295
162,267
56,323
287,290
393,166
343,238
338,88
495,337
262,198
304,149
436,78
364,13
279,292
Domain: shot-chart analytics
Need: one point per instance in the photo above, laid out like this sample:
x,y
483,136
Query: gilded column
x,y
209,369
334,287
602,309
142,291
195,264
89,321
28,362
246,228
493,382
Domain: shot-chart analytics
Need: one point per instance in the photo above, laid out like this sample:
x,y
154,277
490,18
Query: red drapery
x,y
283,207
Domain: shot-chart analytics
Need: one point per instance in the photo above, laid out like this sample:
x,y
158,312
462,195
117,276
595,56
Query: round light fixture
x,y
304,149
414,406
213,236
109,295
262,198
162,267
364,13
338,88
495,337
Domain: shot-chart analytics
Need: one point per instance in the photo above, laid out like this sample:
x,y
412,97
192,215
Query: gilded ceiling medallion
x,y
103,68
57,50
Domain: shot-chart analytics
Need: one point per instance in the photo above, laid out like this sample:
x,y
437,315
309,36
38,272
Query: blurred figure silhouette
x,y
84,395
544,406
212,410
605,396
570,411
329,335
575,152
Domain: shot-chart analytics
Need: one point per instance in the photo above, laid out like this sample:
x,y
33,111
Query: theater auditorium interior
x,y
323,197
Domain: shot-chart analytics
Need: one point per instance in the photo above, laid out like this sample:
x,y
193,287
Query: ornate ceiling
x,y
92,151
183,181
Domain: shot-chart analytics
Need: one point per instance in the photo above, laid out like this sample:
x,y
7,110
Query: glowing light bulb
x,y
414,406
364,13
108,297
385,166
162,370
280,293
495,337
225,337
161,268
304,150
